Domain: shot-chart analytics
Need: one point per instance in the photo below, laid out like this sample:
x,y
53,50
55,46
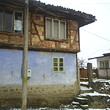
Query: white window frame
x,y
22,21
59,23
58,66
103,64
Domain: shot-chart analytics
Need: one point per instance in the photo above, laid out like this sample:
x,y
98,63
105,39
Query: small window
x,y
49,28
11,21
58,64
8,23
104,64
18,22
55,29
1,19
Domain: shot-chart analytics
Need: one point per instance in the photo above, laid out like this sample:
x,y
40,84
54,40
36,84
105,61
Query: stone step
x,y
81,100
84,106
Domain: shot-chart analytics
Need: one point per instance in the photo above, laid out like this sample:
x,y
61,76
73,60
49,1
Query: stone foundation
x,y
42,95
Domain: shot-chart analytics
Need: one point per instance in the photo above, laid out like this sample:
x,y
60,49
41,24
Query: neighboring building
x,y
52,57
103,65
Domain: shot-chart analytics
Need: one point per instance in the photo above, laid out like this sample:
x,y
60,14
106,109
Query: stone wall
x,y
37,36
101,87
45,95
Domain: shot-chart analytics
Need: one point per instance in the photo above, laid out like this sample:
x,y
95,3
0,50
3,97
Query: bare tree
x,y
81,62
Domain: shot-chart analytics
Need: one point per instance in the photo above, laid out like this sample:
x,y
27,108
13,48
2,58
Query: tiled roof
x,y
81,17
70,14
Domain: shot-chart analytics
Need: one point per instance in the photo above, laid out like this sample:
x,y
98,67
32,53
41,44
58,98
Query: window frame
x,y
2,19
59,24
58,66
103,64
13,20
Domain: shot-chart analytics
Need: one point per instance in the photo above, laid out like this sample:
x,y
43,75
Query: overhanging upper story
x,y
51,28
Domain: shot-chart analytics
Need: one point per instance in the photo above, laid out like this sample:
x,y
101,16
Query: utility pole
x,y
25,58
89,71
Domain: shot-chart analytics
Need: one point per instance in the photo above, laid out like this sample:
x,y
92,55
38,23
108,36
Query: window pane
x,y
55,64
61,59
18,22
61,64
8,21
56,29
55,69
106,64
61,69
48,28
55,59
62,30
1,19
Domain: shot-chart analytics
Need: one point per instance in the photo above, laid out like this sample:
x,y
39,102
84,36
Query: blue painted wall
x,y
41,67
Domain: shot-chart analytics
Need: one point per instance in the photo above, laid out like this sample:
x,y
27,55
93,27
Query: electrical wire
x,y
96,35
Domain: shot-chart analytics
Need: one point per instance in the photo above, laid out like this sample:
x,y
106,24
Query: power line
x,y
97,3
96,35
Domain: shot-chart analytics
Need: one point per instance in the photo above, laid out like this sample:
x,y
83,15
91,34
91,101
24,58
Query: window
x,y
1,19
8,21
11,21
18,22
104,64
55,29
58,64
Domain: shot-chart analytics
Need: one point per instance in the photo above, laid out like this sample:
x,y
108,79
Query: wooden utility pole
x,y
25,58
89,71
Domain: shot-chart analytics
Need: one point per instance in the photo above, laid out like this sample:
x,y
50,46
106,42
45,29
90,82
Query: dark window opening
x,y
1,19
8,23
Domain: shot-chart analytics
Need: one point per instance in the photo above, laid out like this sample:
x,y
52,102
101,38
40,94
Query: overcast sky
x,y
95,37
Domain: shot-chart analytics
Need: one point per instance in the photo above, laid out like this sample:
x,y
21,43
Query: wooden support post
x,y
89,71
25,58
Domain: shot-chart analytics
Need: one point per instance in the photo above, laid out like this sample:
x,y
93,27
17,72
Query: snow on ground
x,y
94,94
85,88
84,82
101,80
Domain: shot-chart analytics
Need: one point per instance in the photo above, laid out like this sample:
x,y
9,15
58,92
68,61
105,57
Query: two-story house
x,y
52,57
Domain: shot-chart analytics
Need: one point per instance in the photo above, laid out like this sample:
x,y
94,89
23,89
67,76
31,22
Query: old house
x,y
103,65
52,57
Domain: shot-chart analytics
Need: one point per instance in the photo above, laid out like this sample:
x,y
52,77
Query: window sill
x,y
58,40
12,34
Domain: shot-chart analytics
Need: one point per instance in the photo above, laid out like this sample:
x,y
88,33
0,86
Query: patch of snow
x,y
75,102
94,94
85,88
84,105
85,83
81,98
101,80
108,100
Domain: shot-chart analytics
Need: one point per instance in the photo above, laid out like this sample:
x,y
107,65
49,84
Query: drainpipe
x,y
25,58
